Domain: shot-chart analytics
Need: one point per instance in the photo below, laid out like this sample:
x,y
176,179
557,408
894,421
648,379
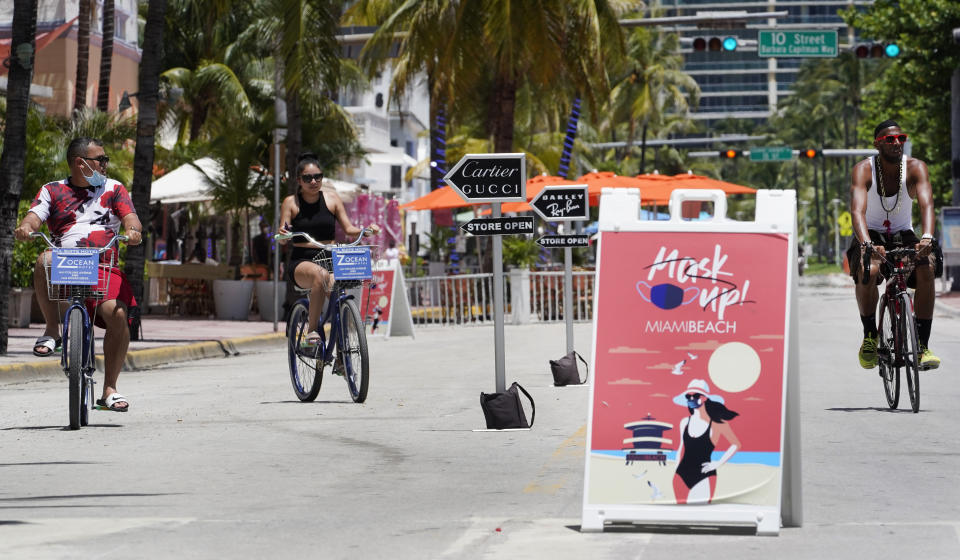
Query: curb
x,y
139,360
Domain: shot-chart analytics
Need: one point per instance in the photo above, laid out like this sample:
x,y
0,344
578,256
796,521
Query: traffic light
x,y
810,153
730,154
877,50
728,43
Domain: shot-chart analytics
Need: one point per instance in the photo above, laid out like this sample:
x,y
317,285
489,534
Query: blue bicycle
x,y
75,275
346,347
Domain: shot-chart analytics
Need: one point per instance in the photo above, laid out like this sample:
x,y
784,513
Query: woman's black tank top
x,y
315,219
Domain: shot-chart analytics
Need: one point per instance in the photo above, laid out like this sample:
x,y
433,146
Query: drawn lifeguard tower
x,y
647,443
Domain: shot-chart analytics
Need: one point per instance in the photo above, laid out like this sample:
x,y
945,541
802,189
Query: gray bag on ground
x,y
565,370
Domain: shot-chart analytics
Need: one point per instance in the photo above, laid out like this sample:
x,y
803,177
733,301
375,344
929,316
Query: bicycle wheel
x,y
353,354
74,348
910,351
306,371
886,353
86,400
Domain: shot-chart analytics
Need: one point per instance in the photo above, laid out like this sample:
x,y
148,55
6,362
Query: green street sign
x,y
797,43
773,153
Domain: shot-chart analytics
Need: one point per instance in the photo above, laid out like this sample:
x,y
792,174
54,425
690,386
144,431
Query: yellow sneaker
x,y
928,360
868,352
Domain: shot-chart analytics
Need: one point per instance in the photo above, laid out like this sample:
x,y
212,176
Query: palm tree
x,y
22,57
83,55
148,88
301,36
654,90
106,57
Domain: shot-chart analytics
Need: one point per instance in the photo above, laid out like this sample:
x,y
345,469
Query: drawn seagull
x,y
641,475
678,367
656,491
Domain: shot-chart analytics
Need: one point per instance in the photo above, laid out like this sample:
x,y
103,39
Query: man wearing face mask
x,y
86,210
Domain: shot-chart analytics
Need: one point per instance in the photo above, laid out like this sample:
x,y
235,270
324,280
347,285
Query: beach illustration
x,y
700,355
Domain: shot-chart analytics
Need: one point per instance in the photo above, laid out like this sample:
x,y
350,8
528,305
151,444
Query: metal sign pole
x,y
500,360
568,294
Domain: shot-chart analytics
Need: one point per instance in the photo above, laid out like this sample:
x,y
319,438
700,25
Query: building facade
x,y
55,73
738,83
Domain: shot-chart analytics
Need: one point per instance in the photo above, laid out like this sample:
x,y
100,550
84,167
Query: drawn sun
x,y
734,367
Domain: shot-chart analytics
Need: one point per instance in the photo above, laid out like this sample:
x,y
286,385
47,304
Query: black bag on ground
x,y
565,370
504,410
133,323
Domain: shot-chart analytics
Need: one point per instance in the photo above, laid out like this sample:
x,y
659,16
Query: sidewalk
x,y
166,340
947,302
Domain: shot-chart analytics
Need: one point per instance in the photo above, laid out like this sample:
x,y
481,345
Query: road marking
x,y
547,480
22,536
540,538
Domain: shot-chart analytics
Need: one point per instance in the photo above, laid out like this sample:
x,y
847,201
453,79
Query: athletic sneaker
x,y
868,352
928,360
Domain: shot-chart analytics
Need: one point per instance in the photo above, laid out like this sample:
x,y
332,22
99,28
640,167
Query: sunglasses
x,y
310,178
893,138
102,160
693,396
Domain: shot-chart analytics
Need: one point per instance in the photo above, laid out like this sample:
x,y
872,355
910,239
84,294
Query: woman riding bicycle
x,y
313,211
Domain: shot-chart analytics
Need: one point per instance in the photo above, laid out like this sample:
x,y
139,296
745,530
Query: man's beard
x,y
891,157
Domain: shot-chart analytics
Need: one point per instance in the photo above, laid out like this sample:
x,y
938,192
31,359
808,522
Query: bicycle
x,y
77,273
898,346
347,342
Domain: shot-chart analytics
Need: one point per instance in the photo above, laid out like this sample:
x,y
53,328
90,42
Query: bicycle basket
x,y
349,274
66,284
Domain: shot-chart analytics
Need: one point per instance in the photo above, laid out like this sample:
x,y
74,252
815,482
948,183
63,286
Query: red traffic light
x,y
809,153
699,44
729,154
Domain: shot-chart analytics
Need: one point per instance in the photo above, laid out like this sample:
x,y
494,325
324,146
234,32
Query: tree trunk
x,y
502,117
22,56
106,57
643,148
83,57
569,138
294,139
149,84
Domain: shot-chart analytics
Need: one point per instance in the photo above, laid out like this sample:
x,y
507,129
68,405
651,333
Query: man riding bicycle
x,y
882,192
86,210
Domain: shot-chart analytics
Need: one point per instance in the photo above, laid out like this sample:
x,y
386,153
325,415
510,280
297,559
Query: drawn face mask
x,y
694,403
667,296
95,180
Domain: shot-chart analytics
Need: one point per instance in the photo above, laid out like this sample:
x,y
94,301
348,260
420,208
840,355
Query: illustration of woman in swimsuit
x,y
695,480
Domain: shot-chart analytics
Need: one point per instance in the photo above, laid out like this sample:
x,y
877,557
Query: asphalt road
x,y
217,458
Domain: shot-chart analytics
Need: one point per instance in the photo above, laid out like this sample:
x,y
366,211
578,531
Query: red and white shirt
x,y
82,216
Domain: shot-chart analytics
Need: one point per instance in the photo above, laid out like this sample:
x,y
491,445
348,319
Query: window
x,y
395,177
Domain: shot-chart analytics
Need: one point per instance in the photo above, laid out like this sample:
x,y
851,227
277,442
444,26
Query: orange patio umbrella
x,y
534,185
438,199
691,181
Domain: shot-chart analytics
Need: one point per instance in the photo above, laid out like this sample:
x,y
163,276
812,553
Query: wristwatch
x,y
927,236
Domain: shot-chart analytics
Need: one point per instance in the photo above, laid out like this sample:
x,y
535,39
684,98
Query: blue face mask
x,y
97,179
694,403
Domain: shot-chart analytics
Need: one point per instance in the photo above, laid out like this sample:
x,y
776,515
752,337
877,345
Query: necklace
x,y
883,190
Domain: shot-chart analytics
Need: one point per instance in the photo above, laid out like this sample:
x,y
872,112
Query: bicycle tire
x,y
74,348
306,371
354,357
911,351
886,353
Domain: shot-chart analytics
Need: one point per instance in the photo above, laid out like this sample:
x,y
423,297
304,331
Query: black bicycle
x,y
75,275
346,347
898,347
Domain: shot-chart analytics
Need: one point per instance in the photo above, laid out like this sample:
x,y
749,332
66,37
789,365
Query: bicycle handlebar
x,y
867,255
890,256
50,243
308,239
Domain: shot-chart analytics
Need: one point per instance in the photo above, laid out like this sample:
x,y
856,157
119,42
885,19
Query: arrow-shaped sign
x,y
550,241
490,178
562,203
499,226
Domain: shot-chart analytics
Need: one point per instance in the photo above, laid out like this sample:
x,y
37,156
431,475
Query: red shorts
x,y
118,289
